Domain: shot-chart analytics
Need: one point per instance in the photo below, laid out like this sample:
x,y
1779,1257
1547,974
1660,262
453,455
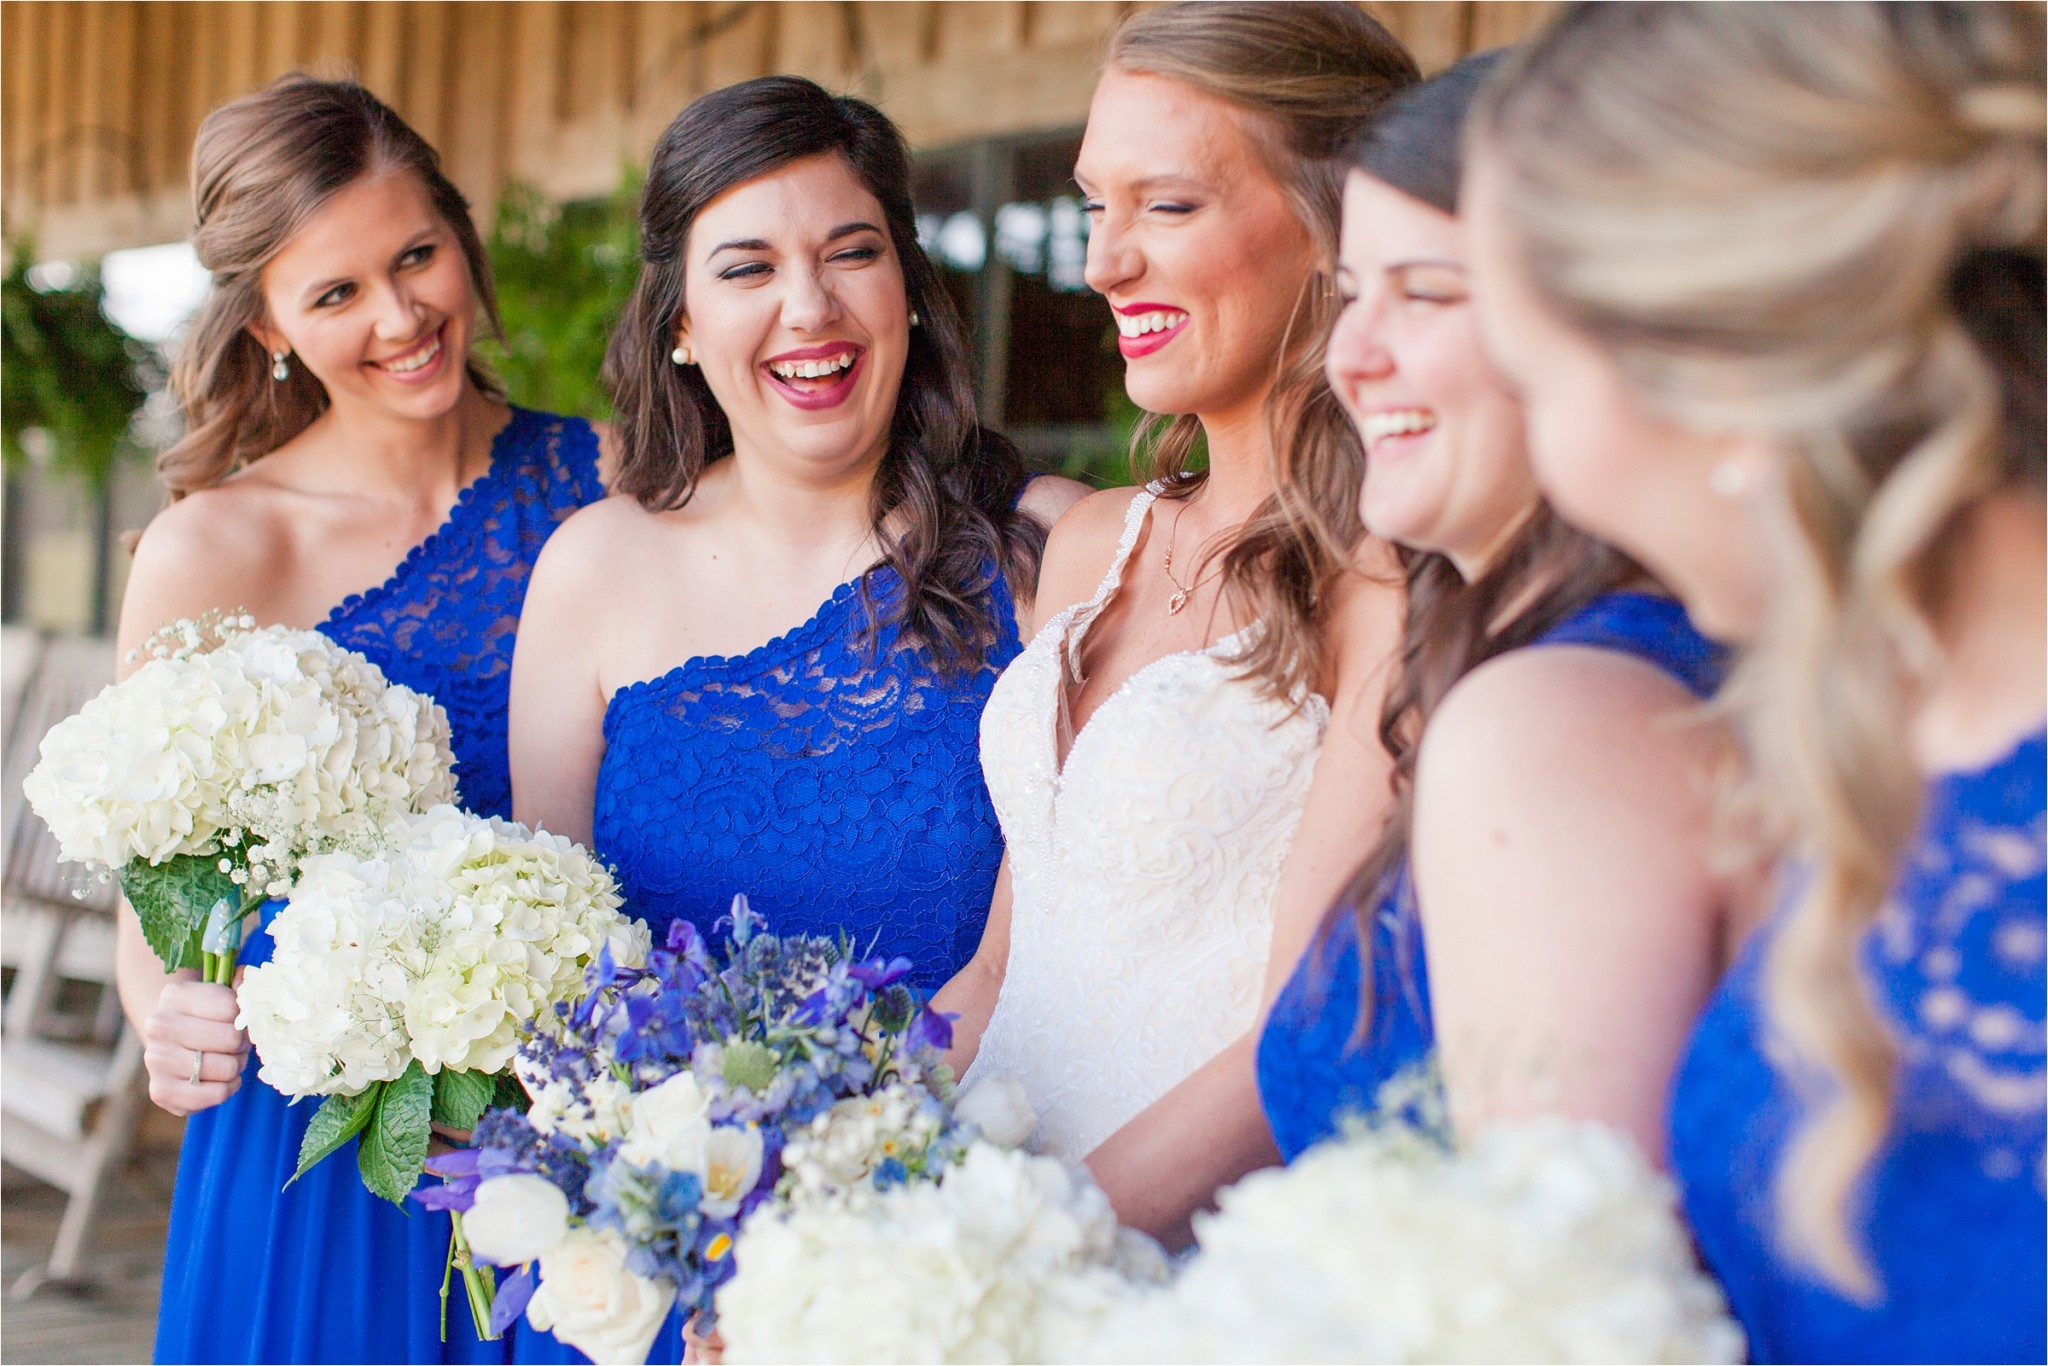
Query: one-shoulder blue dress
x,y
326,1271
1315,1065
1950,1212
839,787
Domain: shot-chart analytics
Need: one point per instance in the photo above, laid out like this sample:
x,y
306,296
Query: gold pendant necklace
x,y
1183,591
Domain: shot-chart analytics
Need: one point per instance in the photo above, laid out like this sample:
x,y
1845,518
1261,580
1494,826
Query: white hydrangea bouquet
x,y
204,778
1005,1257
1541,1241
403,979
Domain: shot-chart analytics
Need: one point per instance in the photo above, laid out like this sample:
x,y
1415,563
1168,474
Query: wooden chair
x,y
73,1066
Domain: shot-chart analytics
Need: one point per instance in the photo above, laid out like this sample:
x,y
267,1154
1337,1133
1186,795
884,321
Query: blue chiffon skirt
x,y
324,1271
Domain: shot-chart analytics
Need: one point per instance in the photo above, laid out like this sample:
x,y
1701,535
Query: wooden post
x,y
992,177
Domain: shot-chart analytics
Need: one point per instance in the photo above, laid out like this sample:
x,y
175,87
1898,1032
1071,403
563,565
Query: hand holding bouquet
x,y
204,778
663,1106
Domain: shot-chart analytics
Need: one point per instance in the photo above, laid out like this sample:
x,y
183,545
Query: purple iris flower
x,y
510,1303
685,942
875,974
458,1171
452,1195
454,1162
742,920
930,1029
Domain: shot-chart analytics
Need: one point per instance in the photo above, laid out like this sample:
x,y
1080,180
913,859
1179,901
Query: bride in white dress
x,y
1185,759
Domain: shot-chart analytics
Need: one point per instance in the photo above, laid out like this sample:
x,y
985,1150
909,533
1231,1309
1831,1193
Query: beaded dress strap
x,y
1084,615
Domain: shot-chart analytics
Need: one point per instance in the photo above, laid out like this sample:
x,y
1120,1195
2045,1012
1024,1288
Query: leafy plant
x,y
177,901
563,274
67,369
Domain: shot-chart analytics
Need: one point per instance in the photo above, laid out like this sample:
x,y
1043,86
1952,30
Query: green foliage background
x,y
67,369
563,273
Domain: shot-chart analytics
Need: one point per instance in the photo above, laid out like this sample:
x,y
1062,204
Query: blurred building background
x,y
542,112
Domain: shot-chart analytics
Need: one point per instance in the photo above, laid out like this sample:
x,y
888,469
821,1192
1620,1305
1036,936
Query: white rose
x,y
516,1219
588,1299
999,1108
600,1112
732,1168
669,1126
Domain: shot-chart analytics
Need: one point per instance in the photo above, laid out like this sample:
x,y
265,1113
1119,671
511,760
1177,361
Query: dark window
x,y
1002,221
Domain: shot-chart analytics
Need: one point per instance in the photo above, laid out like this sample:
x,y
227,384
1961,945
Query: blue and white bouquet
x,y
663,1105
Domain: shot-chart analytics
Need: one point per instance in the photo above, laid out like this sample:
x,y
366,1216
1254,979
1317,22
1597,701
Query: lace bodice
x,y
1144,874
445,620
1315,1065
837,792
1950,1212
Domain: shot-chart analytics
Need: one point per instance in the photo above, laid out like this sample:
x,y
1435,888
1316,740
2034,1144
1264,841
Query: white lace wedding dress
x,y
1144,874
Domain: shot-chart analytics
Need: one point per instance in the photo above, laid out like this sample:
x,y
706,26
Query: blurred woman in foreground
x,y
1771,281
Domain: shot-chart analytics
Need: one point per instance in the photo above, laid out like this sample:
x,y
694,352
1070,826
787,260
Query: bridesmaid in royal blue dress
x,y
1859,1122
759,667
335,428
1549,832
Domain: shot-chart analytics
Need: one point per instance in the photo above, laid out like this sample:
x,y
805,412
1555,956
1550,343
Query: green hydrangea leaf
x,y
173,899
339,1119
393,1148
460,1098
510,1094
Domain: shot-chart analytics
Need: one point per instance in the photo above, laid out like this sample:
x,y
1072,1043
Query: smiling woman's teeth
x,y
1159,320
414,361
1401,422
811,369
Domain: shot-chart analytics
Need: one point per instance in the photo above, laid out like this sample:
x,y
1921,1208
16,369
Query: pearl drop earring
x,y
914,319
279,371
682,356
1729,479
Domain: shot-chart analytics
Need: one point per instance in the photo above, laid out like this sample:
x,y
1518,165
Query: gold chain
x,y
1183,591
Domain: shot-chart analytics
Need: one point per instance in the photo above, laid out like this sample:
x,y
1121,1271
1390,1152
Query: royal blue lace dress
x,y
837,791
1314,1065
325,1271
839,788
1950,1213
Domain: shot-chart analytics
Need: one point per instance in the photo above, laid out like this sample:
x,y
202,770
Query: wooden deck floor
x,y
114,1320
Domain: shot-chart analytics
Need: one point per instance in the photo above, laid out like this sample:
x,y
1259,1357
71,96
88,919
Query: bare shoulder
x,y
597,544
216,548
1046,498
1079,548
1553,720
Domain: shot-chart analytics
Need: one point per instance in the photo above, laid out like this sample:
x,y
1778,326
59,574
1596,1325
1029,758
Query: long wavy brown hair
x,y
1822,224
947,482
1310,76
262,167
1547,570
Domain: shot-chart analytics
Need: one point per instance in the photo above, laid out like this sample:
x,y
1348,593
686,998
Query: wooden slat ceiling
x,y
99,101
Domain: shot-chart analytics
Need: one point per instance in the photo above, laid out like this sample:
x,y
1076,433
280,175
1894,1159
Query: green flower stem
x,y
447,1274
478,1280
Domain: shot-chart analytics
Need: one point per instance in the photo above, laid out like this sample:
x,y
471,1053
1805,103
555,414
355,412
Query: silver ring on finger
x,y
198,1061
